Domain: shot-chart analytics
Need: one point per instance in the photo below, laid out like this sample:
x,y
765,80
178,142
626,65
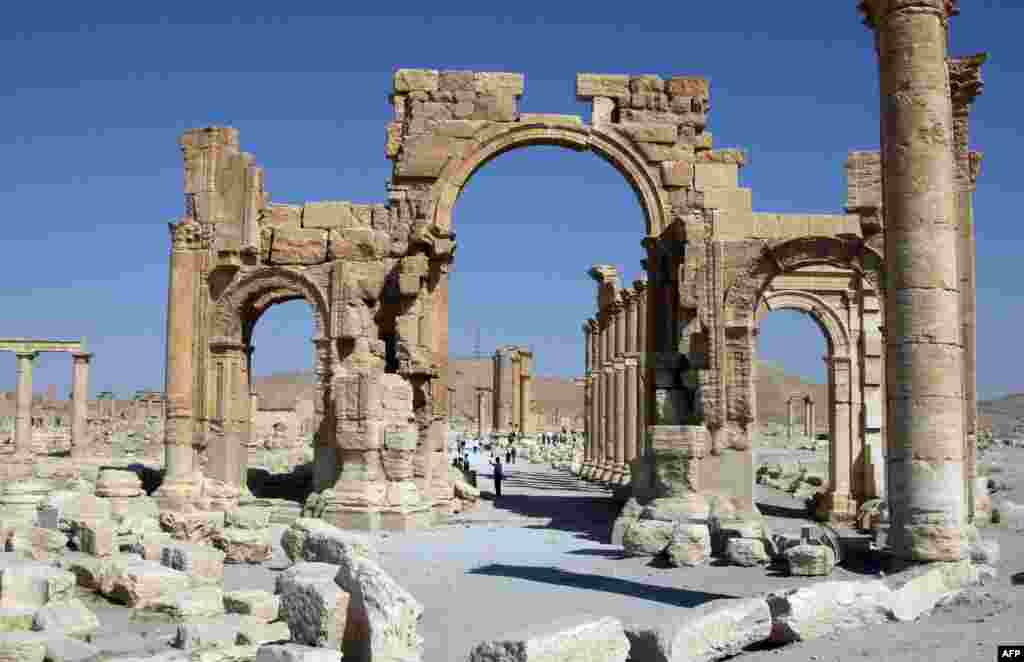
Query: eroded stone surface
x,y
582,638
712,631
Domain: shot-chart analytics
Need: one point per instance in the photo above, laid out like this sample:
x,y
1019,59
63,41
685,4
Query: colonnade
x,y
26,352
615,343
808,403
513,390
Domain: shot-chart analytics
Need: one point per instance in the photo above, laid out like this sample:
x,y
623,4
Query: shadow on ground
x,y
676,597
589,516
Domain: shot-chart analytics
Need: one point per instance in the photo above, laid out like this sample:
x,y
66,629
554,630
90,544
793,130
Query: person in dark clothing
x,y
514,453
499,474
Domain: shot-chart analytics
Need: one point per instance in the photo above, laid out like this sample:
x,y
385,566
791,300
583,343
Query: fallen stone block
x,y
827,608
746,552
190,527
314,607
314,540
810,560
259,605
36,542
243,545
723,530
918,591
296,653
254,632
647,537
690,509
97,537
144,583
583,638
204,602
70,618
66,649
22,647
205,564
690,545
221,633
985,552
234,653
247,518
150,544
383,617
712,631
34,584
17,619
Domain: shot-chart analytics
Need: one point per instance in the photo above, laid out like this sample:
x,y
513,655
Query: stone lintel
x,y
29,345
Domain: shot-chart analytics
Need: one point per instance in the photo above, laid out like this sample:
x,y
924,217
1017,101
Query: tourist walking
x,y
499,474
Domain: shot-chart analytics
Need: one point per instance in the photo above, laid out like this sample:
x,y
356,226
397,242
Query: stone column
x,y
227,454
840,507
497,393
23,404
599,436
254,410
640,287
620,329
187,241
517,394
630,411
526,423
608,377
620,473
789,419
924,357
808,416
79,402
481,395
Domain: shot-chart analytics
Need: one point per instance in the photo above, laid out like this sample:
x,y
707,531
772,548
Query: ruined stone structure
x,y
481,410
26,350
512,390
675,352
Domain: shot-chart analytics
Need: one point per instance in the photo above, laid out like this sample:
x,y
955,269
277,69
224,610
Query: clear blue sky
x,y
94,97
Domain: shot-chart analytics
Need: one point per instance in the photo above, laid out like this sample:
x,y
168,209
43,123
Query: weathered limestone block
x,y
22,647
723,529
712,631
204,564
70,618
630,513
495,108
17,619
690,545
985,552
647,537
314,607
416,80
254,633
141,584
278,215
296,653
230,654
498,83
331,214
651,132
657,152
613,86
827,608
309,539
551,120
150,544
36,543
205,602
581,638
259,605
67,649
243,545
34,584
810,560
677,173
20,499
61,510
217,633
383,619
689,508
96,537
298,246
189,527
118,483
746,552
918,591
425,156
247,518
358,244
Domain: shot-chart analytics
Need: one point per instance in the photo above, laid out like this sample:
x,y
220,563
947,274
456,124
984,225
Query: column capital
x,y
876,11
81,357
640,286
27,355
965,82
189,234
224,346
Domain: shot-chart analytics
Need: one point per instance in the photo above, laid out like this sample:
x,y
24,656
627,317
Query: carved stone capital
x,y
877,11
189,234
965,82
81,357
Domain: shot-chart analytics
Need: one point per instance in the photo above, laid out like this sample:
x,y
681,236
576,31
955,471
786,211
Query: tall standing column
x,y
588,430
526,423
620,472
789,419
629,412
517,394
808,415
187,241
481,410
79,402
640,287
608,377
924,357
839,506
23,404
599,385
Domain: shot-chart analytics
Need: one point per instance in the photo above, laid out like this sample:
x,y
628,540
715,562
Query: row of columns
x,y
808,415
613,382
23,401
513,386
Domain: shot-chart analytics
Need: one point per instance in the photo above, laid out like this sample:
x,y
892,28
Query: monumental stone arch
x,y
376,277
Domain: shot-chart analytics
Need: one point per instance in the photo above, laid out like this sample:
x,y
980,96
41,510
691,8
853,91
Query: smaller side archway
x,y
226,375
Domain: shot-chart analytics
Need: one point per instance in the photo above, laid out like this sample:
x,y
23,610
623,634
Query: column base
x,y
370,518
178,494
836,507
